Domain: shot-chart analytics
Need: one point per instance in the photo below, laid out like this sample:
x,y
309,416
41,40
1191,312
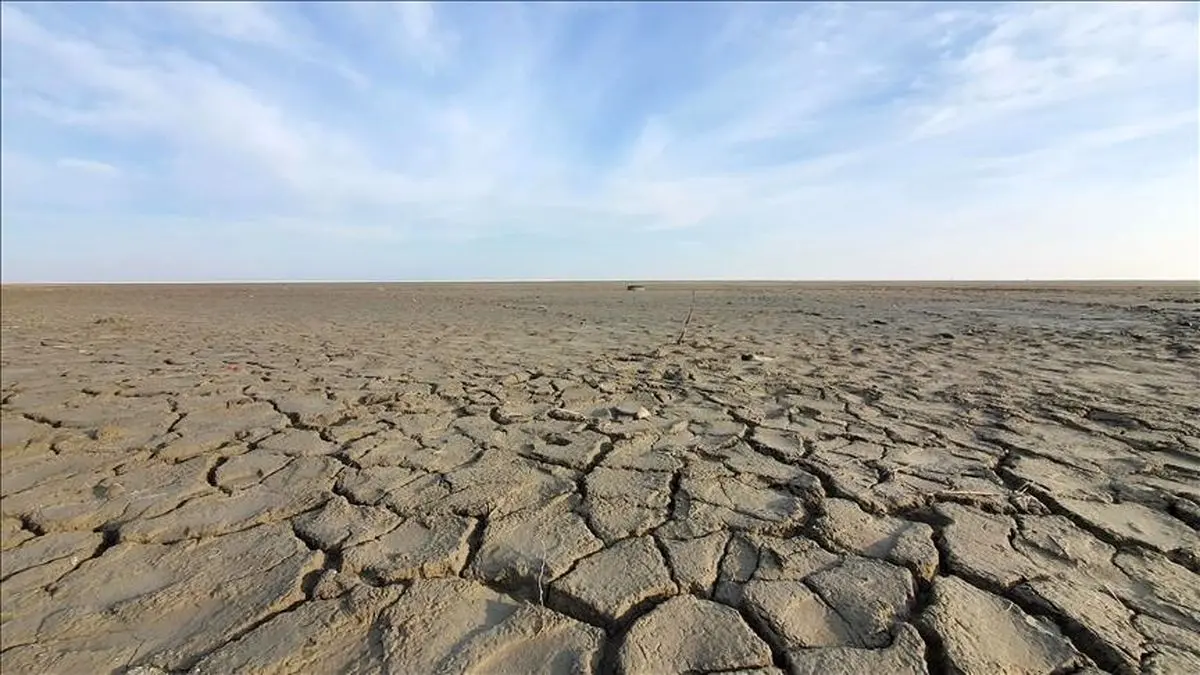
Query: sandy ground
x,y
537,478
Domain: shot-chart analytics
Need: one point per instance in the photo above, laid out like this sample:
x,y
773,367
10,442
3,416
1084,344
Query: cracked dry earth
x,y
537,479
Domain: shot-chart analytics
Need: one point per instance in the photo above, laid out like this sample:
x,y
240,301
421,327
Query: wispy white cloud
x,y
1043,54
249,22
89,166
421,35
839,124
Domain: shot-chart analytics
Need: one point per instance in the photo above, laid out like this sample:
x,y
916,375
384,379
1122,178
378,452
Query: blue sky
x,y
211,141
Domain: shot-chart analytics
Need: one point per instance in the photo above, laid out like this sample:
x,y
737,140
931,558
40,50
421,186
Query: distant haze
x,y
368,141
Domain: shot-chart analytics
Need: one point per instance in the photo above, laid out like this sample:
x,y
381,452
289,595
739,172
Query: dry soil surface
x,y
546,478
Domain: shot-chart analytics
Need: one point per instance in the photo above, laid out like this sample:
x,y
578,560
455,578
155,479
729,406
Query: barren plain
x,y
545,478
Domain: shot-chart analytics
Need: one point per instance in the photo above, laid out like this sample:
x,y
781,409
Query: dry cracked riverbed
x,y
537,478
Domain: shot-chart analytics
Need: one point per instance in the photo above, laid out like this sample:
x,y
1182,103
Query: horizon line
x,y
629,280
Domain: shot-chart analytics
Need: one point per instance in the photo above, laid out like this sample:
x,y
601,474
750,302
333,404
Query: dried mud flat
x,y
538,478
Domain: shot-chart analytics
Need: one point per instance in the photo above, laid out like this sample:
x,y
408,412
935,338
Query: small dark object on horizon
x,y
635,287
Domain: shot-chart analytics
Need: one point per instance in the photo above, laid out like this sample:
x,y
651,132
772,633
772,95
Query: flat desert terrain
x,y
544,478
